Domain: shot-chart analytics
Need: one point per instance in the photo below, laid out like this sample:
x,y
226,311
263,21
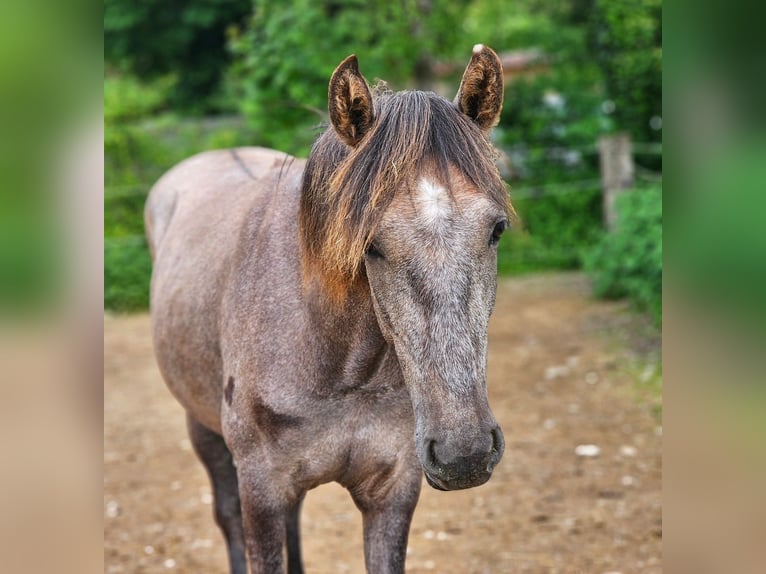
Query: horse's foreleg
x,y
387,522
265,511
214,454
294,561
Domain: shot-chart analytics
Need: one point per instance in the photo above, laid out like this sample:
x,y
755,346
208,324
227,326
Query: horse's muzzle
x,y
463,471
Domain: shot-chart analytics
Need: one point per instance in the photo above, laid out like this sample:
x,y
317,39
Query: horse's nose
x,y
452,465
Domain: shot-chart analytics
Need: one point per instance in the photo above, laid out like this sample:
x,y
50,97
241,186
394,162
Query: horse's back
x,y
195,215
196,181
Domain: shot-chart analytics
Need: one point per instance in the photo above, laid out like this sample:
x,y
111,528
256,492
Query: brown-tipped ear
x,y
480,95
350,102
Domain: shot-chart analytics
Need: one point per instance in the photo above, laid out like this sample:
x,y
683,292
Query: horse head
x,y
412,210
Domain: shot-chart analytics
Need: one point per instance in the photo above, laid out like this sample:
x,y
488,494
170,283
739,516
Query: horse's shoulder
x,y
201,178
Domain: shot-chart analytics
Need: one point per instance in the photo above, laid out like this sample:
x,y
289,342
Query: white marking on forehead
x,y
433,200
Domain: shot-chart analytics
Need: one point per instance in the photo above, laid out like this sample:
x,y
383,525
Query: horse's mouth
x,y
462,471
458,483
435,482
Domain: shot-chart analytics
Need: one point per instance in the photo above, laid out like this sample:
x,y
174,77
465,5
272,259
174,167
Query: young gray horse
x,y
326,320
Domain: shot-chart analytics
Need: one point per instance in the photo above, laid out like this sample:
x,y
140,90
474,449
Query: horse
x,y
326,319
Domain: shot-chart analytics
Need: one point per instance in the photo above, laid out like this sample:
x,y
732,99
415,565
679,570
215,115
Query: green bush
x,y
626,40
553,232
127,272
141,142
628,261
130,153
286,54
126,98
153,38
548,130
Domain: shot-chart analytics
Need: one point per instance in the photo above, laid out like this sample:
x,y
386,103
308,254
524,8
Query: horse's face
x,y
431,260
432,271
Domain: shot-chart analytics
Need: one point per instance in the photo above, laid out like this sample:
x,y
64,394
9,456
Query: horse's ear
x,y
350,102
480,95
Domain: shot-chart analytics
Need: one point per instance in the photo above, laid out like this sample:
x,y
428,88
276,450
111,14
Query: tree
x,y
626,38
286,54
186,37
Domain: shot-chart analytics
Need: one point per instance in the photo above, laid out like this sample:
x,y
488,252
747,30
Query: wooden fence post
x,y
616,158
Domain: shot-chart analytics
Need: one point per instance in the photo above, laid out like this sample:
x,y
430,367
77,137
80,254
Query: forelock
x,y
346,190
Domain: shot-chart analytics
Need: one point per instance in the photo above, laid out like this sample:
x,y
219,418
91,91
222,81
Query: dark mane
x,y
346,190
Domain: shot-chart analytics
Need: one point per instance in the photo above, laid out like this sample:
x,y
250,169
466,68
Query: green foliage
x,y
626,38
628,261
123,214
140,143
127,99
152,38
554,231
595,53
548,130
129,153
528,24
288,51
127,271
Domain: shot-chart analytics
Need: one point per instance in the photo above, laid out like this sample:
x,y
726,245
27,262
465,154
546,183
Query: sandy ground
x,y
564,371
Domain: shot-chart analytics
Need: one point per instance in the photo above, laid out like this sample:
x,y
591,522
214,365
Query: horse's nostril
x,y
451,466
498,446
431,460
498,443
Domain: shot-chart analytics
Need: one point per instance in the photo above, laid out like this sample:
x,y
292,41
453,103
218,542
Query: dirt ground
x,y
565,371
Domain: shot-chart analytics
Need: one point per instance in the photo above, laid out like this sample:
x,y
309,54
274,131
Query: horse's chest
x,y
327,440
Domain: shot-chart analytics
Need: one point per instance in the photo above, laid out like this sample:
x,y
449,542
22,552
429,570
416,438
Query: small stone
x,y
429,534
169,563
569,523
206,498
587,450
628,451
628,480
591,377
441,536
112,509
556,371
149,549
429,565
549,424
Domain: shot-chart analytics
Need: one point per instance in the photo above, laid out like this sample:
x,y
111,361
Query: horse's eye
x,y
373,252
497,232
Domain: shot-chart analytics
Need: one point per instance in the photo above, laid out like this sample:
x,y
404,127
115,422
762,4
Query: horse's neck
x,y
348,338
352,321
